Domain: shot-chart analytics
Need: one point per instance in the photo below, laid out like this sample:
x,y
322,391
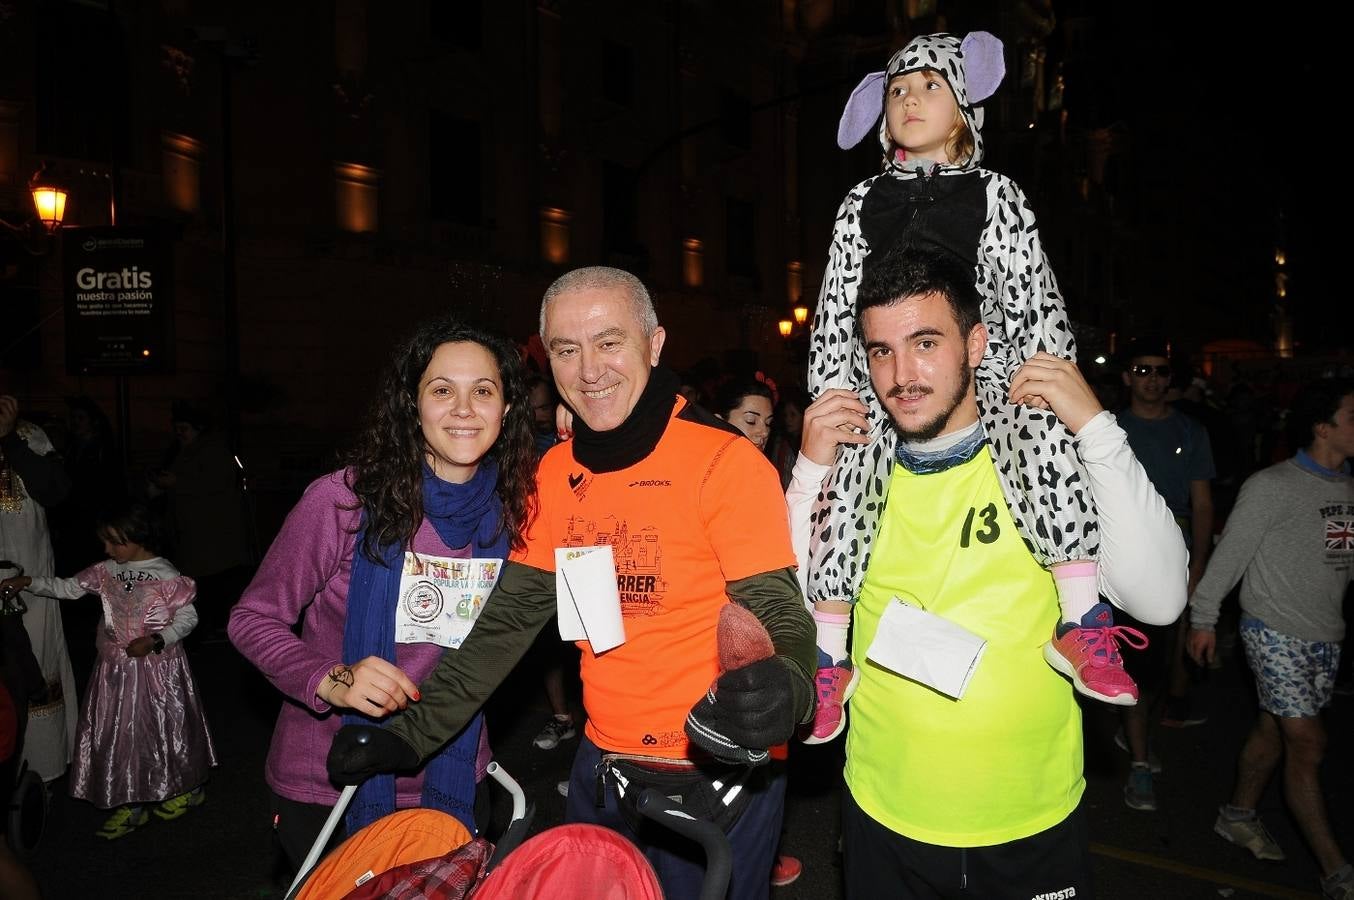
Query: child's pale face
x,y
921,110
119,549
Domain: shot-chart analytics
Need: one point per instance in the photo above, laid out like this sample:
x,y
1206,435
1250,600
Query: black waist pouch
x,y
715,792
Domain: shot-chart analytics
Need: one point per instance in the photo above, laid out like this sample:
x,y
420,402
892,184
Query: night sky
x,y
1234,116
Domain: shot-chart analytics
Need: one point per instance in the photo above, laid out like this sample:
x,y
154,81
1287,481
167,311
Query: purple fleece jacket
x,y
306,571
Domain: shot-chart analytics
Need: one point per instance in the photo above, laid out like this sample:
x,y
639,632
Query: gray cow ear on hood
x,y
861,112
984,64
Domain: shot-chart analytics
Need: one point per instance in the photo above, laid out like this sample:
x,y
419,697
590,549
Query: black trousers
x,y
880,863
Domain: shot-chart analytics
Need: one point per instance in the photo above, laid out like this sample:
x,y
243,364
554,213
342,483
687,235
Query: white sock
x,y
832,630
1078,588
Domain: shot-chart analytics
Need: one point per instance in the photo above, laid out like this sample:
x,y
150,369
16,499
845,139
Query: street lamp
x,y
49,202
786,327
801,314
49,199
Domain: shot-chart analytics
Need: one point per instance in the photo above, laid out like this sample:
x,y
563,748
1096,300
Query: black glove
x,y
361,751
745,712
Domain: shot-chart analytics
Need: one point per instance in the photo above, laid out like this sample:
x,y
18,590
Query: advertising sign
x,y
118,287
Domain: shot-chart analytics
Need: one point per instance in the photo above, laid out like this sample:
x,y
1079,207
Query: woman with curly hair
x,y
385,563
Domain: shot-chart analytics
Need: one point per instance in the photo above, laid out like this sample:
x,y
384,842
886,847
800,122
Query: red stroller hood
x,y
573,862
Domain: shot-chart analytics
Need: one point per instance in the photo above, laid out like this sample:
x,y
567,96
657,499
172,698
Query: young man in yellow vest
x,y
968,785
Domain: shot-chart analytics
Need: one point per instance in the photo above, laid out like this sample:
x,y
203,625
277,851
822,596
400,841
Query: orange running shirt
x,y
703,509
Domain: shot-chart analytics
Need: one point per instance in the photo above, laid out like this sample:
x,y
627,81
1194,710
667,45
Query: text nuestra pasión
x,y
129,288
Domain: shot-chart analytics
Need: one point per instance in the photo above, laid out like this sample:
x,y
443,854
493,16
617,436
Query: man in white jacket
x,y
972,783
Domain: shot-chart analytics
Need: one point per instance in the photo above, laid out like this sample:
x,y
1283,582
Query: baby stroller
x,y
26,808
583,861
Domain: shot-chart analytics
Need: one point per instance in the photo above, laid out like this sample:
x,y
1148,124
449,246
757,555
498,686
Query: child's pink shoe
x,y
1088,654
836,682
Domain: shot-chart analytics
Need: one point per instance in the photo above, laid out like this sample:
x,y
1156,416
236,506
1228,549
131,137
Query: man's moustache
x,y
898,391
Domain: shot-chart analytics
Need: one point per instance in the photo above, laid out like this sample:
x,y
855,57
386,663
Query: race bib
x,y
441,598
926,648
588,604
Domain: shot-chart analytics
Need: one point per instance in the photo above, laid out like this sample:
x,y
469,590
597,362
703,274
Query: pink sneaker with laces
x,y
835,683
1089,655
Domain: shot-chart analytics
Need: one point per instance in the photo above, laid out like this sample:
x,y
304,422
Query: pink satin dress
x,y
143,735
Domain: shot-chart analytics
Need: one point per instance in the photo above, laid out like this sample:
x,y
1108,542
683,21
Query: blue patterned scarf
x,y
462,514
922,462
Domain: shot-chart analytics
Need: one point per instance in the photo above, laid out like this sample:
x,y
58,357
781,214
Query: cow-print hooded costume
x,y
983,218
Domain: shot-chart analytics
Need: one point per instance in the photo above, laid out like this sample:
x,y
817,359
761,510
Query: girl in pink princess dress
x,y
143,737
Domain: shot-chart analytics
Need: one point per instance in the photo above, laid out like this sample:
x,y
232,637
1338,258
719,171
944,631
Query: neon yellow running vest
x,y
1005,762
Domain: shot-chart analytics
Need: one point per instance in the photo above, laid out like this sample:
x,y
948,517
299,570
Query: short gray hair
x,y
601,278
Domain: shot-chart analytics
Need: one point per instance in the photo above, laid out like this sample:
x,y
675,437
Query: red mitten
x,y
742,638
750,706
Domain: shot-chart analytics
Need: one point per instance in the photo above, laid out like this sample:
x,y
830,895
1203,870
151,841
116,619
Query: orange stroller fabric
x,y
573,862
408,835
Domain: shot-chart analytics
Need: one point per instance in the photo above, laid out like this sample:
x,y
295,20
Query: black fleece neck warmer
x,y
637,436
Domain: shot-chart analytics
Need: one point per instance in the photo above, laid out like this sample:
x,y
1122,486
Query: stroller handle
x,y
509,784
718,857
335,816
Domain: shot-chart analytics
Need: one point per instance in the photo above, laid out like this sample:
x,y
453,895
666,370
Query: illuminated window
x,y
554,235
181,165
356,197
693,262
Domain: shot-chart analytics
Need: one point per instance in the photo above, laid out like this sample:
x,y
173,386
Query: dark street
x,y
225,849
466,257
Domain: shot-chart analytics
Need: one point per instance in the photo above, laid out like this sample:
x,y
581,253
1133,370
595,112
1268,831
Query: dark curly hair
x,y
903,273
132,522
386,465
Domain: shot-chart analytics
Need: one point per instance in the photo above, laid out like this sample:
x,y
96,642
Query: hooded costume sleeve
x,y
1033,314
1044,481
841,533
838,359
